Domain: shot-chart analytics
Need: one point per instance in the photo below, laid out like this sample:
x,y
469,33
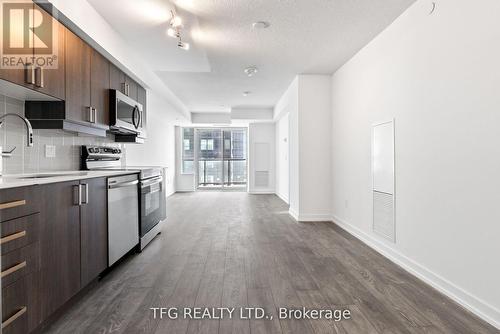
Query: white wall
x,y
307,102
159,147
261,134
314,147
210,118
282,158
439,77
184,182
289,105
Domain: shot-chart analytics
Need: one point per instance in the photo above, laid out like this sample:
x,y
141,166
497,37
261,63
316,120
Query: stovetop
x,y
109,158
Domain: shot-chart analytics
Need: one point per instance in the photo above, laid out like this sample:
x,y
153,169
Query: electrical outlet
x,y
50,151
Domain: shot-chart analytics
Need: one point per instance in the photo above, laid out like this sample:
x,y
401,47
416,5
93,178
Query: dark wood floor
x,y
233,249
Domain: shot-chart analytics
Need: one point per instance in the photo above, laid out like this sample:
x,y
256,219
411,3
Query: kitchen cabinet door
x,y
59,245
132,88
99,85
77,80
20,76
94,229
116,78
16,76
51,81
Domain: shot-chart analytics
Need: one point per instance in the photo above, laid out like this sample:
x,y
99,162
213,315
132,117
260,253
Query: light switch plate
x,y
50,151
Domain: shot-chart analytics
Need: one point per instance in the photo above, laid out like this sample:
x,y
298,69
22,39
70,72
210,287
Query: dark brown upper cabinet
x,y
50,80
99,87
123,83
131,88
44,74
116,78
78,54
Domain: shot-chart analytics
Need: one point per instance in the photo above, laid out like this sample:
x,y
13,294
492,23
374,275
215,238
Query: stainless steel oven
x,y
152,203
126,115
151,208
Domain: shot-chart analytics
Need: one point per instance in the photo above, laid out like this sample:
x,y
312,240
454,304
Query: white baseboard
x,y
314,218
283,198
477,306
309,217
261,192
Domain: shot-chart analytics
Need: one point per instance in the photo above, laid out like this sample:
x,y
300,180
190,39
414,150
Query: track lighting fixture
x,y
183,45
174,30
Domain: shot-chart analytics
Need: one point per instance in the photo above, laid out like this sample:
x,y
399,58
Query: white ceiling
x,y
305,36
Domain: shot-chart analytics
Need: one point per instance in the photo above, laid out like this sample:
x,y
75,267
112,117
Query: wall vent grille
x,y
261,178
383,215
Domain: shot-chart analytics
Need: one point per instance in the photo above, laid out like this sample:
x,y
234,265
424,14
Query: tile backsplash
x,y
32,159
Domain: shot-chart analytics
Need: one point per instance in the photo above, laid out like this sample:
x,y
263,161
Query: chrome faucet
x,y
29,129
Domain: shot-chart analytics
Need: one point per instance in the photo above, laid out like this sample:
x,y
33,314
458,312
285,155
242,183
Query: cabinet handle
x,y
30,74
14,317
124,88
91,114
95,115
13,269
12,237
39,77
86,186
77,194
10,205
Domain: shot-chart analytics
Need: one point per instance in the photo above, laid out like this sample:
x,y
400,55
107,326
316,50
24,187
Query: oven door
x,y
152,203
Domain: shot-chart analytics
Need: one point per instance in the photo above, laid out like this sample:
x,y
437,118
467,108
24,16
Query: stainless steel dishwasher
x,y
123,216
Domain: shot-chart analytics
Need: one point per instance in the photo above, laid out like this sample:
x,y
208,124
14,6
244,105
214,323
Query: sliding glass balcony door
x,y
221,158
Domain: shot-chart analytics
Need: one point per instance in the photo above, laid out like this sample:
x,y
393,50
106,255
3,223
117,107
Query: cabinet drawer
x,y
19,263
19,202
19,314
17,233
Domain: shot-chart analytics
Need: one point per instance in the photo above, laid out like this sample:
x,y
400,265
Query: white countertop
x,y
22,180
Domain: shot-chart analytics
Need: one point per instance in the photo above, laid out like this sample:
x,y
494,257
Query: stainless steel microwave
x,y
126,115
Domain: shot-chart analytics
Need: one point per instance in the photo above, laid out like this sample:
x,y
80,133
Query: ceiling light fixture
x,y
183,45
251,71
174,30
176,21
261,25
173,33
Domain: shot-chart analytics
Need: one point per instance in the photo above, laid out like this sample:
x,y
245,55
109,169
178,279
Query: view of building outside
x,y
188,150
221,155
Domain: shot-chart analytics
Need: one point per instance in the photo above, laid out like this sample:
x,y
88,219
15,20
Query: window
x,y
210,144
207,144
187,151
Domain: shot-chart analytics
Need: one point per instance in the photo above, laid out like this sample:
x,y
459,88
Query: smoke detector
x,y
251,71
261,25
